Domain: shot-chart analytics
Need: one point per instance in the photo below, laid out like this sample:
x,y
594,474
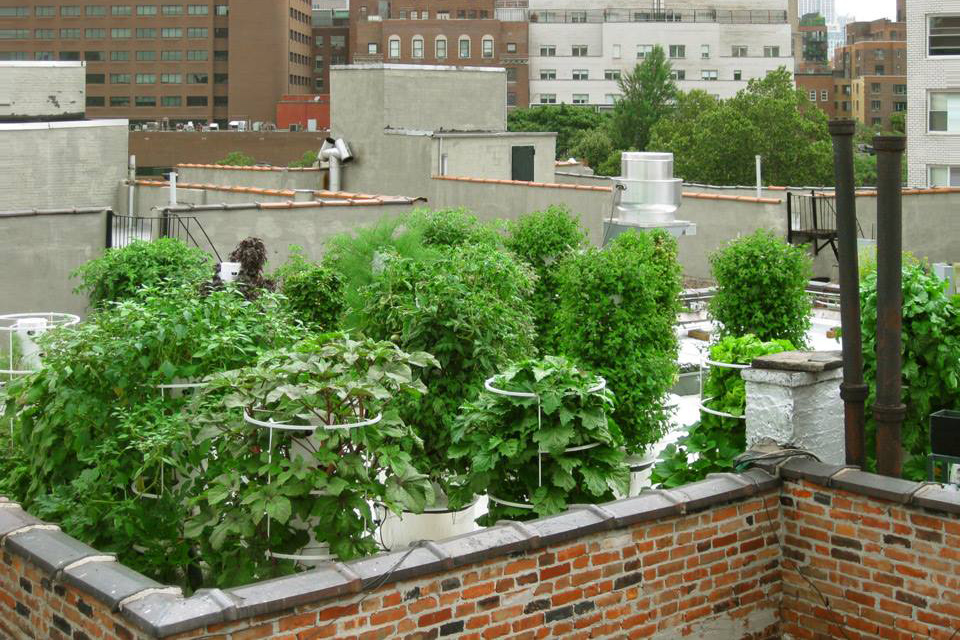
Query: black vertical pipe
x,y
109,239
888,410
852,390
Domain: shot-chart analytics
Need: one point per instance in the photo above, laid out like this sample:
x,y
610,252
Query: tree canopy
x,y
648,94
566,120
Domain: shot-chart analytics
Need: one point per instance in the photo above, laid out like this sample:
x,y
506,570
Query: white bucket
x,y
435,523
641,466
229,271
28,330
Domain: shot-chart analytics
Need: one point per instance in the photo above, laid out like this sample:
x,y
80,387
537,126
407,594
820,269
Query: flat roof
x,y
43,63
65,124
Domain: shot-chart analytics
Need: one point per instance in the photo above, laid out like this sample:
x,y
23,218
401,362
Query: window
x,y
196,101
577,16
146,56
824,95
94,34
96,78
511,74
220,32
198,78
878,70
945,112
876,122
611,98
548,74
69,55
119,56
874,87
95,11
170,78
338,42
548,98
13,55
69,34
443,15
14,12
875,105
486,47
944,176
169,56
223,101
373,47
678,74
197,32
581,74
581,98
119,101
146,33
221,10
737,74
146,78
121,10
643,50
221,78
464,47
548,50
704,51
171,32
198,54
708,74
96,101
120,33
318,63
223,56
813,96
878,54
416,47
70,11
738,51
511,99
40,34
616,51
171,101
900,106
45,11
146,10
899,89
145,101
393,47
441,47
172,9
43,55
611,74
198,9
678,51
94,56
511,47
771,52
578,50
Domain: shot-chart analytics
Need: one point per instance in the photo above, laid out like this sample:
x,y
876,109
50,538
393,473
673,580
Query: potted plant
x,y
313,441
540,438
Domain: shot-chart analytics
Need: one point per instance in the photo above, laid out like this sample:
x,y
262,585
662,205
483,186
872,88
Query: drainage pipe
x,y
853,391
888,409
132,181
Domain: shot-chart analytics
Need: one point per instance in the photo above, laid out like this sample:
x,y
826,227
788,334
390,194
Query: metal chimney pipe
x,y
173,188
888,410
853,391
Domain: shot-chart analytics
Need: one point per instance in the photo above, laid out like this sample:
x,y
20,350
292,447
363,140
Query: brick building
x,y
818,87
166,62
443,32
331,40
870,72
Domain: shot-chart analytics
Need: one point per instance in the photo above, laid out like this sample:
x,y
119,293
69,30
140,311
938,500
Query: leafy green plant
x,y
237,159
556,448
314,292
452,228
277,492
761,288
120,273
711,444
306,161
930,357
468,307
617,311
543,239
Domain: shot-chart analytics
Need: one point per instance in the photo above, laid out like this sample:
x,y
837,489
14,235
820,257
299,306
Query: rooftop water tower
x,y
646,196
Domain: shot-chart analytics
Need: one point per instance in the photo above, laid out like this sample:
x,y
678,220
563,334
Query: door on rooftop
x,y
521,167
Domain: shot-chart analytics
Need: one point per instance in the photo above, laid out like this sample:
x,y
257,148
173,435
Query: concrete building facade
x,y
578,51
933,117
171,62
870,72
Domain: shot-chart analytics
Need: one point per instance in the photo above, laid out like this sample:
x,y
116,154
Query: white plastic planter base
x,y
229,271
641,466
435,523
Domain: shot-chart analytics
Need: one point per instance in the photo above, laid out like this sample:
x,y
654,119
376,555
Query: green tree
x,y
898,122
593,146
566,120
238,159
648,94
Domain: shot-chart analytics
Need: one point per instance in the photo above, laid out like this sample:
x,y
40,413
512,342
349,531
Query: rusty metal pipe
x,y
853,391
888,409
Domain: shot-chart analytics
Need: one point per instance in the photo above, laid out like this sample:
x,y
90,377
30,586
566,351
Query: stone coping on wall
x,y
333,198
254,168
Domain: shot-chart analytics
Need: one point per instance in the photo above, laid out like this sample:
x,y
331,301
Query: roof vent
x,y
646,196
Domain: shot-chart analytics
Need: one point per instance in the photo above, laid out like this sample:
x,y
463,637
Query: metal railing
x,y
124,230
813,218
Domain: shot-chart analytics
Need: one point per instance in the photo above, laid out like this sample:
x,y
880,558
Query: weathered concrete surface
x,y
48,90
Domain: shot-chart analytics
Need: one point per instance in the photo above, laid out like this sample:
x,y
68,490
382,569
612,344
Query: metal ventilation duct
x,y
646,196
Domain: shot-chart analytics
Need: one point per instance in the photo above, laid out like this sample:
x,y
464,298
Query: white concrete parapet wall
x,y
793,398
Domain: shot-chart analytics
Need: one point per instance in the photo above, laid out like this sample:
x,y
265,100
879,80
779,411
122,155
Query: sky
x,y
867,9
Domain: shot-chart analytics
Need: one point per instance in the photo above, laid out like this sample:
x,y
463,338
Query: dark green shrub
x,y
617,312
314,292
307,160
543,239
119,273
469,308
452,228
761,288
237,159
715,441
517,447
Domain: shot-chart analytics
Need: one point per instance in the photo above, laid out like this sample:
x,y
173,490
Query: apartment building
x,y
933,117
331,40
578,51
870,72
168,62
476,33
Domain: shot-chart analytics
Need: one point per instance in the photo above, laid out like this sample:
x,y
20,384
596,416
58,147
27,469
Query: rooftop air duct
x,y
336,152
646,196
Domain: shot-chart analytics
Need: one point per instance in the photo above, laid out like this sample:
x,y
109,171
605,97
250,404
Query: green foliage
x,y
761,288
898,122
237,159
865,169
566,120
617,311
711,444
518,447
648,95
930,357
812,20
543,239
469,307
594,146
316,484
306,161
92,430
314,293
452,228
716,142
120,273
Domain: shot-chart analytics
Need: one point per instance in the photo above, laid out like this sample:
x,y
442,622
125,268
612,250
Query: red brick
x,y
387,615
327,631
554,571
571,552
524,564
436,617
261,631
295,622
478,591
497,632
478,622
527,623
422,604
332,613
560,599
